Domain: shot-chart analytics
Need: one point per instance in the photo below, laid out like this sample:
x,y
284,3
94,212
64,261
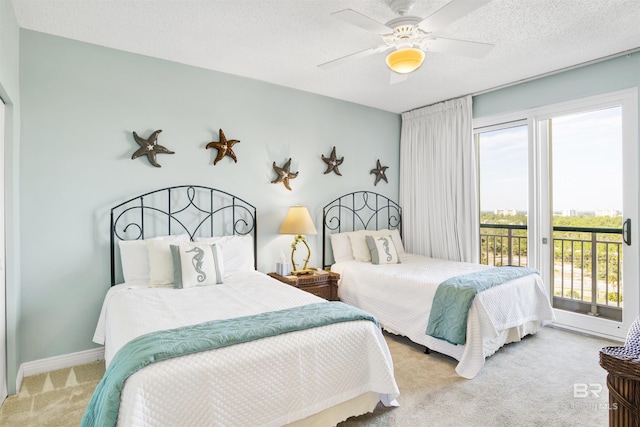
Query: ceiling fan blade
x,y
452,11
397,77
458,47
362,21
361,54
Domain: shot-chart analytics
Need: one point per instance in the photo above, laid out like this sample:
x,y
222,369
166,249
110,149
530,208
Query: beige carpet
x,y
530,383
55,399
525,384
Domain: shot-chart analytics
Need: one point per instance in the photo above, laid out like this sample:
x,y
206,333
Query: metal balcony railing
x,y
587,264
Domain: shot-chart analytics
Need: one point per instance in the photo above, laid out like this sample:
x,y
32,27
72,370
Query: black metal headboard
x,y
192,209
360,210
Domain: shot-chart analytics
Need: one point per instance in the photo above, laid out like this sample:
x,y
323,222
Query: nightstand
x,y
323,284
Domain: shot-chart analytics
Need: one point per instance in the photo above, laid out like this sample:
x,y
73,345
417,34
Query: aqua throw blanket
x,y
156,346
453,298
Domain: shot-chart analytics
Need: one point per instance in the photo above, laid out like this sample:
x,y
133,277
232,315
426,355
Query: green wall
x,y
10,93
80,103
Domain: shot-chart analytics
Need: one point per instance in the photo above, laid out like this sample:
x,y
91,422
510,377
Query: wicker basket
x,y
623,379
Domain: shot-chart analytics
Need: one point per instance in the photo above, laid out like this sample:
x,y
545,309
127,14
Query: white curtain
x,y
438,181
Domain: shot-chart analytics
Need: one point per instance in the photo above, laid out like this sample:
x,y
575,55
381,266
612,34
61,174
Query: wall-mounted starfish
x,y
379,172
224,147
284,175
149,147
332,162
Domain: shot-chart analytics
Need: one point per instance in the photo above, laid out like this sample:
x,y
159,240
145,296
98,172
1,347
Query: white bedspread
x,y
270,382
400,296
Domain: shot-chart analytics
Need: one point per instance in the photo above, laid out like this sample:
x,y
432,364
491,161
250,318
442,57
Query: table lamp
x,y
298,222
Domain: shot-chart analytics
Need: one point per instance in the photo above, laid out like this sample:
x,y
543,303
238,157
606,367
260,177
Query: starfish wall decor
x,y
379,172
332,162
224,147
284,175
149,147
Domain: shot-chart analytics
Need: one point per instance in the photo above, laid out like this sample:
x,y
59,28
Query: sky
x,y
587,158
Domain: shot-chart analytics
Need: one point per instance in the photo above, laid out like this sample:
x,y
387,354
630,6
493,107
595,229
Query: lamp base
x,y
303,272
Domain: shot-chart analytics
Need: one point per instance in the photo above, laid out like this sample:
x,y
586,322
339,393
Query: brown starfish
x,y
284,175
379,172
149,147
224,147
332,162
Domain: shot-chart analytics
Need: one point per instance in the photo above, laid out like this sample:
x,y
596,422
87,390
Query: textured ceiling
x,y
283,41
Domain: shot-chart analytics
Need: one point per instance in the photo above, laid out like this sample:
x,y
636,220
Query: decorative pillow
x,y
196,264
341,247
397,240
237,251
359,244
383,250
134,256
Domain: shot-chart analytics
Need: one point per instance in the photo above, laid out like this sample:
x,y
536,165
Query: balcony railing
x,y
587,264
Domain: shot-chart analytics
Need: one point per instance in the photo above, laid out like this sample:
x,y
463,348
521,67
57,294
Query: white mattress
x,y
270,382
400,296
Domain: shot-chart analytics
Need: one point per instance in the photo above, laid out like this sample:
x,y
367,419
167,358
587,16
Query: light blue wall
x,y
81,102
606,76
9,91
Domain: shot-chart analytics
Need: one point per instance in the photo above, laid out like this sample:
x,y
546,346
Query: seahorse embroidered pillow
x,y
382,249
196,265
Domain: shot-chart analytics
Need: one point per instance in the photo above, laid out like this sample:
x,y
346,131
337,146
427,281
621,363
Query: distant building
x,y
569,212
506,212
607,212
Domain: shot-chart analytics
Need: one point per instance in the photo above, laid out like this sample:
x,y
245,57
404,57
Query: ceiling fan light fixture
x,y
405,60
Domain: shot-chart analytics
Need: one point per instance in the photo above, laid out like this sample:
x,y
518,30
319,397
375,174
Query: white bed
x,y
272,381
317,376
400,295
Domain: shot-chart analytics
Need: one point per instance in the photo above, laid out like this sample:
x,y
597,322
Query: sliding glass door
x,y
578,228
503,168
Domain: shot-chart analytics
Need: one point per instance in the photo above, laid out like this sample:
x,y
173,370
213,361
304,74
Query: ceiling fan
x,y
410,36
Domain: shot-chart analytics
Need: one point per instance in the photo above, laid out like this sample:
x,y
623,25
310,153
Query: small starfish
x,y
379,172
332,162
224,147
283,174
149,147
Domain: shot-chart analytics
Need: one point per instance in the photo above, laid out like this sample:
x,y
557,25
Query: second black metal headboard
x,y
192,209
360,210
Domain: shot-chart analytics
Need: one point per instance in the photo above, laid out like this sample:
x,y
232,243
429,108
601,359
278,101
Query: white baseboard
x,y
57,362
584,332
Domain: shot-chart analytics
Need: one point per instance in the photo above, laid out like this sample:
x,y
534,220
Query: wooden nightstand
x,y
324,285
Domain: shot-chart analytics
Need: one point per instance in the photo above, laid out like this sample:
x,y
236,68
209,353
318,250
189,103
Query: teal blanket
x,y
453,298
156,346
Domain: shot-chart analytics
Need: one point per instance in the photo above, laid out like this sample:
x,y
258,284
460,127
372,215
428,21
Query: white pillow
x,y
134,256
196,265
383,250
341,247
237,251
359,244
